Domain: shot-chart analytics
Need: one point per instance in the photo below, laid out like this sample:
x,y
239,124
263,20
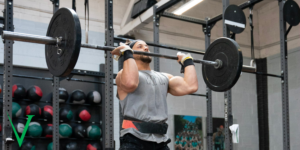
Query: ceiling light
x,y
186,6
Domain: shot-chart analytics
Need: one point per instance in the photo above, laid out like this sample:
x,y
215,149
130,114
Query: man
x,y
218,138
143,96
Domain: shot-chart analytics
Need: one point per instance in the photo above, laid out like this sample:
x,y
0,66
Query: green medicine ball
x,y
50,146
35,129
16,110
94,132
65,130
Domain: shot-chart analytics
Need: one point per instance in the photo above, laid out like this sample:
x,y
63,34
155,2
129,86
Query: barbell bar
x,y
31,38
223,60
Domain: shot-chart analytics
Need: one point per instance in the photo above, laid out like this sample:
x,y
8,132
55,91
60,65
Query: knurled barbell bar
x,y
223,61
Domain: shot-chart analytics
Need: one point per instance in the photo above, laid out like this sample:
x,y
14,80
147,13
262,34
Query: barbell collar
x,y
16,36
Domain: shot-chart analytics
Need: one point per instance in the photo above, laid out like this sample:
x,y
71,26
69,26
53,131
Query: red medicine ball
x,y
93,146
84,114
47,112
18,91
34,93
33,109
0,127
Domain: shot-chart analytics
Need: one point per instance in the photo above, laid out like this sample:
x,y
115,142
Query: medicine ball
x,y
0,127
33,109
65,114
50,146
94,132
78,97
47,112
34,93
72,146
93,97
18,91
27,145
93,146
63,95
19,126
48,131
16,110
65,130
83,114
35,129
79,131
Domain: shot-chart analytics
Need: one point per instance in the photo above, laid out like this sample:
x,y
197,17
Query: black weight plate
x,y
64,23
291,12
235,19
224,78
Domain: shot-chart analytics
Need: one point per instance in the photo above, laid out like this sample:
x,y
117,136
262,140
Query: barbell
x,y
222,62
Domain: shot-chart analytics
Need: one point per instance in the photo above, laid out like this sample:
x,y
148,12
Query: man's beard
x,y
145,59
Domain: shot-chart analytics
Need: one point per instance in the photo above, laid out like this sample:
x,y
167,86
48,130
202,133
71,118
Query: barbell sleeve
x,y
16,36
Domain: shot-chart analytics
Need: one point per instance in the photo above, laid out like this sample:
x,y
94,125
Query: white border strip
x,y
234,24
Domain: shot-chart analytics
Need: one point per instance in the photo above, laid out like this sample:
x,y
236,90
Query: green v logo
x,y
20,140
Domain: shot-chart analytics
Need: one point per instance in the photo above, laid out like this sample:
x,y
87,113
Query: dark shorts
x,y
130,142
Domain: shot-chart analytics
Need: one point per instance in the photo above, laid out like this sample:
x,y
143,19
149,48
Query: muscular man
x,y
143,97
218,138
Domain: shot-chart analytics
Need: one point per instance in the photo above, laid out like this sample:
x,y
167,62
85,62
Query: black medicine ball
x,y
83,114
93,97
72,146
65,114
18,91
47,131
78,97
33,109
63,95
93,146
47,112
34,93
79,131
27,145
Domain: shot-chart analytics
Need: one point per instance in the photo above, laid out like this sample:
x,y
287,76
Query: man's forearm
x,y
130,71
190,76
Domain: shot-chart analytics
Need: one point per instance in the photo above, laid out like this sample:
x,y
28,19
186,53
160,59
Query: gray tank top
x,y
147,103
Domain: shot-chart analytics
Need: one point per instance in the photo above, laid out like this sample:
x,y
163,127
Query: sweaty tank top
x,y
147,103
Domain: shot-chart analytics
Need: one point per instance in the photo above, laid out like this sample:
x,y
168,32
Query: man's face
x,y
141,46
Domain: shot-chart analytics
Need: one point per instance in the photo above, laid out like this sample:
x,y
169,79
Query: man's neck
x,y
142,66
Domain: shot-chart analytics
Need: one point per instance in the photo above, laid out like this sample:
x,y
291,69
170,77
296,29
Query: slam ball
x,y
84,114
34,93
65,130
16,110
94,132
35,129
48,131
33,109
93,97
47,112
78,97
65,114
72,146
93,146
27,145
63,95
18,91
50,146
79,131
